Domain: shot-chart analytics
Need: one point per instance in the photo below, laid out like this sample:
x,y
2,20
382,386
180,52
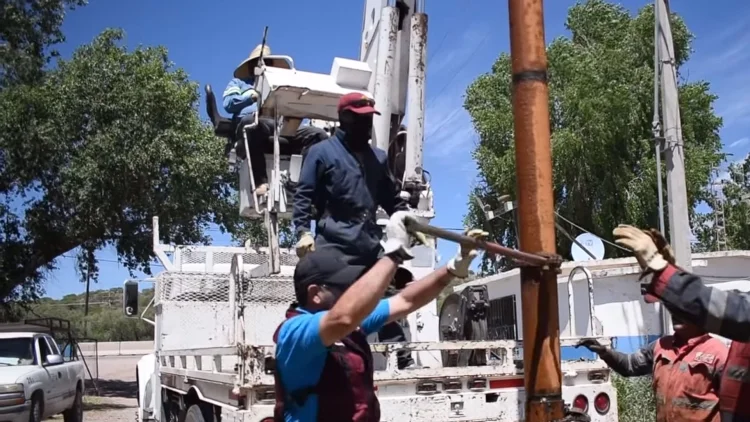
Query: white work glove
x,y
397,239
459,265
305,244
642,245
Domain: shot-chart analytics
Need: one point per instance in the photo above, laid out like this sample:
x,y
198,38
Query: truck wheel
x,y
195,414
35,414
75,413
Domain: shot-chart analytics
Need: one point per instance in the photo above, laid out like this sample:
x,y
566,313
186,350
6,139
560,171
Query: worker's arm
x,y
684,294
631,365
389,191
724,313
307,187
421,292
236,98
361,298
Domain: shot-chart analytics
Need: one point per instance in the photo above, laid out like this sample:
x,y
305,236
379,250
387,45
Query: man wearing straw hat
x,y
240,100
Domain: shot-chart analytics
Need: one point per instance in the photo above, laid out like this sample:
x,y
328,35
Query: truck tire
x,y
36,411
198,413
75,413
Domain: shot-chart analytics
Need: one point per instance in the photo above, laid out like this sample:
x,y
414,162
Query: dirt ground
x,y
107,408
111,398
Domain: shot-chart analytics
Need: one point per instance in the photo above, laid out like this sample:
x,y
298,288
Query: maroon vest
x,y
345,390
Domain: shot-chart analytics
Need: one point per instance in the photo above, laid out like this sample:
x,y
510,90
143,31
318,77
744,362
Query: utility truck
x,y
216,308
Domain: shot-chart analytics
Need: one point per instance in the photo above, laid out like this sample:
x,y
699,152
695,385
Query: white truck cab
x,y
36,382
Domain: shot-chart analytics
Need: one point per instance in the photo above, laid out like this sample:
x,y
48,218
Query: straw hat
x,y
243,71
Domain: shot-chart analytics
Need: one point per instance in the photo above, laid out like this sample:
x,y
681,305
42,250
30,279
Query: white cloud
x,y
734,105
723,51
448,128
740,142
723,59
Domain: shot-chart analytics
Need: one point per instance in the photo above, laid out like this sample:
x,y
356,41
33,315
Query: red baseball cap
x,y
357,103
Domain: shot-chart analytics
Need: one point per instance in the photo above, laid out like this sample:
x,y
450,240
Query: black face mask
x,y
358,129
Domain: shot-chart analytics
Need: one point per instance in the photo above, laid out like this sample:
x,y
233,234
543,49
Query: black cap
x,y
326,267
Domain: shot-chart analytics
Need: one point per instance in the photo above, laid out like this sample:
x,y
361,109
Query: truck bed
x,y
222,364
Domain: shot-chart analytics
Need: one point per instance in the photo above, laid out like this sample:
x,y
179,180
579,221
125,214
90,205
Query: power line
x,y
112,261
79,303
706,277
437,50
450,81
587,231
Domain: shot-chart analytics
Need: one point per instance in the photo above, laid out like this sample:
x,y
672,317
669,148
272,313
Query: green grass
x,y
635,399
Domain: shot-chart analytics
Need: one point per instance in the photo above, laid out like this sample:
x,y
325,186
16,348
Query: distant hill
x,y
106,320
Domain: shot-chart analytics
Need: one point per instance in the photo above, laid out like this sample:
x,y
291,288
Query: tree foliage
x,y
106,320
254,232
107,140
601,96
730,202
28,30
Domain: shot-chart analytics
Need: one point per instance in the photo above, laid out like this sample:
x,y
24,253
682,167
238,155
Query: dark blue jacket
x,y
345,195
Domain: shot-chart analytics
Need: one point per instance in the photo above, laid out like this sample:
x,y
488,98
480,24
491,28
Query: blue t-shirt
x,y
301,355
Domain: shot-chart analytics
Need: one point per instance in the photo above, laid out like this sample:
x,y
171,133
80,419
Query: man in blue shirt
x,y
240,100
323,362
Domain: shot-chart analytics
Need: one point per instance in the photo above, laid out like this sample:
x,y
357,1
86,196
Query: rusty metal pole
x,y
541,332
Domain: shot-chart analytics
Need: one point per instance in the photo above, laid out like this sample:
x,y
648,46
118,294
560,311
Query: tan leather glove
x,y
459,265
420,238
305,244
644,246
254,95
664,248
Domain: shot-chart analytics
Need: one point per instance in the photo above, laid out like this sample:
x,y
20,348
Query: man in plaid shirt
x,y
724,313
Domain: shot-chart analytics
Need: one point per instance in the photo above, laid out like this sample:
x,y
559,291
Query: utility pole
x,y
664,317
86,304
536,216
720,229
679,221
656,123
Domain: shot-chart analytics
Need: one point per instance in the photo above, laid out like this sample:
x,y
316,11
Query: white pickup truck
x,y
35,381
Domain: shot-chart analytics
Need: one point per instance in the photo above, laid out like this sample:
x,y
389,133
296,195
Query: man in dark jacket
x,y
681,396
724,313
342,183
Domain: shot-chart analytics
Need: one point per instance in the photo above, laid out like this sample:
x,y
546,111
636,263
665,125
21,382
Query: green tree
x,y
732,204
254,231
106,321
108,140
28,31
601,96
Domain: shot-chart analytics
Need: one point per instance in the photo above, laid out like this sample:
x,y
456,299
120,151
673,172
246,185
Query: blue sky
x,y
208,39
